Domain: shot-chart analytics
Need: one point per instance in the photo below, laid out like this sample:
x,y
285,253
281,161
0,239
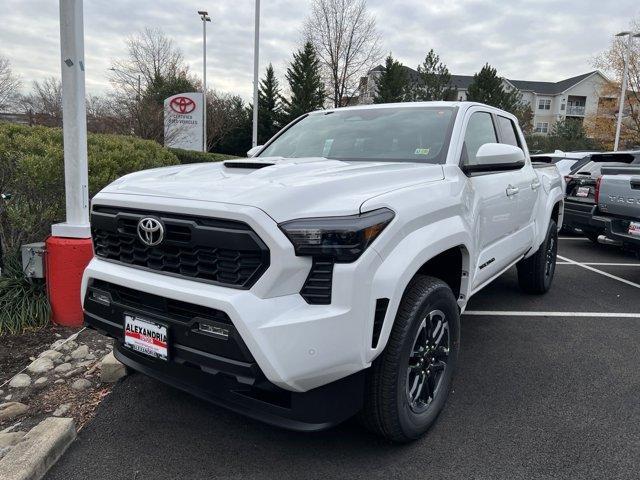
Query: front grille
x,y
317,288
222,252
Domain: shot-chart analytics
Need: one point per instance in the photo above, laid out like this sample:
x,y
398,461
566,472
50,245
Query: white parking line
x,y
551,314
602,264
587,267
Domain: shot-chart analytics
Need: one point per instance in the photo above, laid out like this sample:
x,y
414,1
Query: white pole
x,y
256,66
204,82
623,92
74,123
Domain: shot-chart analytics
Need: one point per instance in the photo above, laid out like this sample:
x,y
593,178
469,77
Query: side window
x,y
509,132
480,130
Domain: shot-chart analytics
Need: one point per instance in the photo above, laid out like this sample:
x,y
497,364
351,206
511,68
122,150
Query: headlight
x,y
342,239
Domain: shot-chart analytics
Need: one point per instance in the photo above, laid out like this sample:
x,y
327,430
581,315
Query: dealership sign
x,y
183,121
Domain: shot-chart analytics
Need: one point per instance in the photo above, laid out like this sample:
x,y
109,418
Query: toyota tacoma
x,y
618,203
324,276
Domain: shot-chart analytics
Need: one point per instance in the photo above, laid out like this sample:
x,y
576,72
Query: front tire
x,y
409,382
535,274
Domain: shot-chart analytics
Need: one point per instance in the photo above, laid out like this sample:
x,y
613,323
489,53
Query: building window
x,y
544,104
542,127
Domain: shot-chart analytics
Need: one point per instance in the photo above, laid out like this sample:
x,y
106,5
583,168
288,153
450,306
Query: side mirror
x,y
253,151
497,156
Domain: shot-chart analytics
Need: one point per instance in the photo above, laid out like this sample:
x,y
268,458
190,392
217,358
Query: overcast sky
x,y
523,39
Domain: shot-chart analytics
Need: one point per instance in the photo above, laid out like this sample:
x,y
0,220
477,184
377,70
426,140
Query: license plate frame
x,y
634,229
146,337
583,192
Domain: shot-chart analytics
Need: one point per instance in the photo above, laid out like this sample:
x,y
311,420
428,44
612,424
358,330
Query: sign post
x,y
69,249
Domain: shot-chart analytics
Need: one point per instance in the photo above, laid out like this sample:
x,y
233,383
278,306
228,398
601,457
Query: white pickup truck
x,y
325,276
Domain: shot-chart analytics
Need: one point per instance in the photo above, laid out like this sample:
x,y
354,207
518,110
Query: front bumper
x,y
315,410
220,370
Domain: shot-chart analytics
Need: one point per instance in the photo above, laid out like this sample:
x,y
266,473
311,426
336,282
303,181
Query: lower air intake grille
x,y
154,304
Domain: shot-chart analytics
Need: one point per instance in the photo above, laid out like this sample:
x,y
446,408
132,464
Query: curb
x,y
39,450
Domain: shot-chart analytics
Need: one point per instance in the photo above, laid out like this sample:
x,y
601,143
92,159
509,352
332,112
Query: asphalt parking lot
x,y
548,387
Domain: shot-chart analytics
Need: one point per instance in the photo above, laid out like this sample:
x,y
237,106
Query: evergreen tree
x,y
486,87
434,80
305,84
269,109
392,85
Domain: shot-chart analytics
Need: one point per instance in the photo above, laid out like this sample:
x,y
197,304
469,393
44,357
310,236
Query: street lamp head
x,y
636,35
208,19
203,12
622,34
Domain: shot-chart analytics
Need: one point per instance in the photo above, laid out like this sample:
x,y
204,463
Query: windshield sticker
x,y
422,151
327,146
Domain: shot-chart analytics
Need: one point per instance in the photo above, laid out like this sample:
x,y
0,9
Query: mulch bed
x,y
15,350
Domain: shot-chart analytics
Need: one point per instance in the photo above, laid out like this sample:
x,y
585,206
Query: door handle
x,y
535,185
511,191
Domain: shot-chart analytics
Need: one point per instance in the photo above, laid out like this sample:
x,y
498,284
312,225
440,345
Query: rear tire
x,y
408,384
593,236
535,274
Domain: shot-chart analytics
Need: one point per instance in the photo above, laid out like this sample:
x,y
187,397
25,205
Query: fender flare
x,y
405,260
545,210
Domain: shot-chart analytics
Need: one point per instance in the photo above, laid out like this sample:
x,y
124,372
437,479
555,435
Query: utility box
x,y
33,260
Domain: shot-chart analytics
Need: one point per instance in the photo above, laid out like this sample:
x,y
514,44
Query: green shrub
x,y
32,169
191,156
23,302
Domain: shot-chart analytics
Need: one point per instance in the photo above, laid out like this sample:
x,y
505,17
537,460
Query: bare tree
x,y
602,124
44,103
153,70
152,55
346,40
9,84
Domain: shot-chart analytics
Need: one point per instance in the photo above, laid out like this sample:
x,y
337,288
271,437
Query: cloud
x,y
543,40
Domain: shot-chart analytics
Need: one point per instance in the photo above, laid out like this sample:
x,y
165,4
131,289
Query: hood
x,y
284,188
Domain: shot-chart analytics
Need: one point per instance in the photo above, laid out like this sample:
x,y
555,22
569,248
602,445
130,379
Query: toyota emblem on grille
x,y
150,231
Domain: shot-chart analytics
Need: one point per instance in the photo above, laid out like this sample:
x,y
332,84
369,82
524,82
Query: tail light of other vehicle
x,y
597,192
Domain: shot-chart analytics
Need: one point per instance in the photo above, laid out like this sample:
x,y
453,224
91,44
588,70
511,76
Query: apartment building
x,y
574,97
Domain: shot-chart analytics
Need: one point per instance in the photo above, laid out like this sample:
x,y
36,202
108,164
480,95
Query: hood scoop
x,y
247,164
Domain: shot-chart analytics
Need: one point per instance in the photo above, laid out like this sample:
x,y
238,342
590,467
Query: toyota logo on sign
x,y
150,231
182,105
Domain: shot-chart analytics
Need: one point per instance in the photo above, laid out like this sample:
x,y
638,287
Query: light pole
x,y
204,16
256,66
623,89
69,248
74,123
134,77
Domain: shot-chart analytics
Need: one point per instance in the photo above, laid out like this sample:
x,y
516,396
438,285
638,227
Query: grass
x,y
23,302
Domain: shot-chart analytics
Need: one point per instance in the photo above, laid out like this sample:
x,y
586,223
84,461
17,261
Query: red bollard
x,y
66,260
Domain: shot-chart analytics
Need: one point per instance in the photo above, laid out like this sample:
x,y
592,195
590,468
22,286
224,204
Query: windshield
x,y
395,134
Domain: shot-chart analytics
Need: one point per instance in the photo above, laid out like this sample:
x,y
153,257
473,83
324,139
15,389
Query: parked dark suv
x,y
581,205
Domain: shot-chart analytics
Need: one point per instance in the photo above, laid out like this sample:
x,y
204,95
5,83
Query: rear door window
x,y
508,132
